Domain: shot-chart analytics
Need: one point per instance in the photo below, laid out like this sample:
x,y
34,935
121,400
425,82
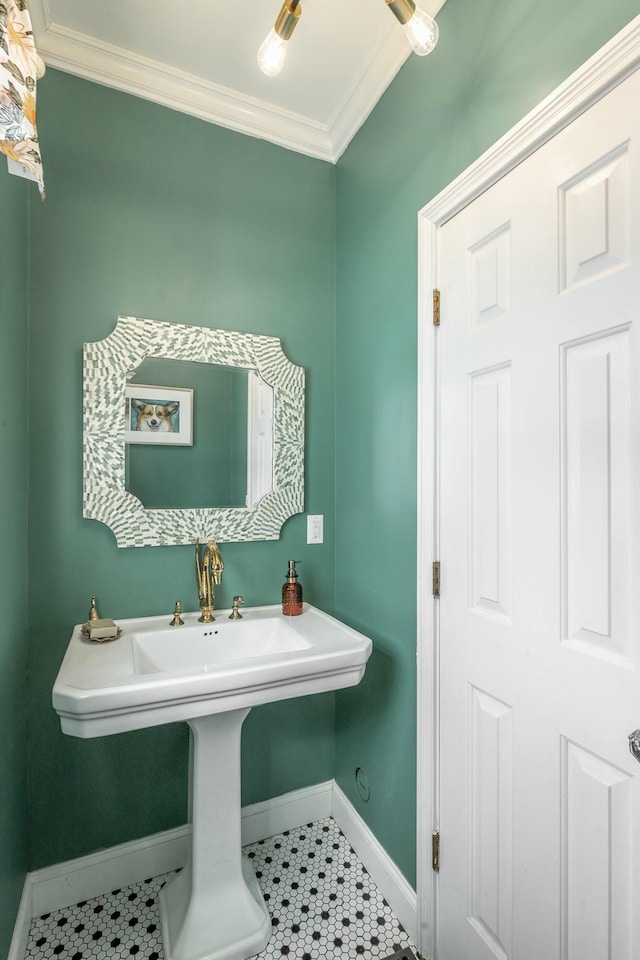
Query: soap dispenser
x,y
292,592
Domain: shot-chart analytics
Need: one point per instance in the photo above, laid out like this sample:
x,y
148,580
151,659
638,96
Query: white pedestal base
x,y
213,909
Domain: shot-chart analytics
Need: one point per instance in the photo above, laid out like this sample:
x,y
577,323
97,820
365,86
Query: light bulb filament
x,y
274,48
271,54
421,30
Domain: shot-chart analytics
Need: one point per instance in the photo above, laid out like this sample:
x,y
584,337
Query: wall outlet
x,y
315,529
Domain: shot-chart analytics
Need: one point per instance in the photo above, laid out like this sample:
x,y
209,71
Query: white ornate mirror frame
x,y
106,364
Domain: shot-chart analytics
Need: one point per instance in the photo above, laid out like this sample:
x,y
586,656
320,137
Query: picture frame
x,y
159,415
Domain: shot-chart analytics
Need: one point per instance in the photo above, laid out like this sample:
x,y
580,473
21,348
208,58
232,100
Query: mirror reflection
x,y
197,435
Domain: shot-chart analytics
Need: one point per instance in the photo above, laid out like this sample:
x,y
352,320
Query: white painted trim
x,y
428,610
374,79
67,883
142,77
113,66
291,810
614,62
18,946
372,83
391,883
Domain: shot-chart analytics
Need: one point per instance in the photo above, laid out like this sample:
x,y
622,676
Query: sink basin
x,y
210,675
155,674
206,647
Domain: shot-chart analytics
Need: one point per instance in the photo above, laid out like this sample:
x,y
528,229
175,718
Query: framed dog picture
x,y
158,414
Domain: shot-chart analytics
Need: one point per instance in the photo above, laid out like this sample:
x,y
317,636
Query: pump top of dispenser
x,y
292,573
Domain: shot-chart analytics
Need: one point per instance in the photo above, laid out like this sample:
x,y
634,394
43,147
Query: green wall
x,y
13,549
495,60
153,213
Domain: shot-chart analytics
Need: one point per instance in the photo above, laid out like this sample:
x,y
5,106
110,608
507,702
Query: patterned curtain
x,y
20,66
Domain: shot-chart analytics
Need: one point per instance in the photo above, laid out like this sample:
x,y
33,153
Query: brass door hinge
x,y
436,308
435,851
435,578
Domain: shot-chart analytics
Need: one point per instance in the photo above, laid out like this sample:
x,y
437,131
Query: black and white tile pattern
x,y
124,923
323,906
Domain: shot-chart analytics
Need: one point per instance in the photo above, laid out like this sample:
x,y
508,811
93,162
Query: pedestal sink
x,y
209,675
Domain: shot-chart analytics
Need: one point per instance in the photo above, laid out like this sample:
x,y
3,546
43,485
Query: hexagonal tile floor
x,y
322,901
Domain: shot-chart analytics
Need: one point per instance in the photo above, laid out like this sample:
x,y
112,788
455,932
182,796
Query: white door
x,y
540,553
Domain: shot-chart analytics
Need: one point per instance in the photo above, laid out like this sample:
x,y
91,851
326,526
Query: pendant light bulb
x,y
274,49
420,29
271,54
421,32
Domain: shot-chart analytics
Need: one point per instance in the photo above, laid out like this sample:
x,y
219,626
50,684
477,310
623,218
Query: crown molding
x,y
372,82
113,66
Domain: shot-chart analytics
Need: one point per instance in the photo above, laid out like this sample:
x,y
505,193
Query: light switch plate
x,y
19,171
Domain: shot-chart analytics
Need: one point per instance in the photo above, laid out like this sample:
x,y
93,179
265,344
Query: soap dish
x,y
85,633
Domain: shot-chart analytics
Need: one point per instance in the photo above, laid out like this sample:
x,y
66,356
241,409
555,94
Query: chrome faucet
x,y
209,569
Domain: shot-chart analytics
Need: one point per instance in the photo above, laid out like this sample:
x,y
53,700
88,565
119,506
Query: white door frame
x,y
614,62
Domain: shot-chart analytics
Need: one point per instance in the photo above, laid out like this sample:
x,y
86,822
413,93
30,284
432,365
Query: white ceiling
x,y
200,57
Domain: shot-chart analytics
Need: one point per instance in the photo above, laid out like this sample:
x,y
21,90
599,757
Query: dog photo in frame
x,y
155,414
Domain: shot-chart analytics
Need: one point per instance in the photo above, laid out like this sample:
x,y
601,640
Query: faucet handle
x,y
235,613
177,620
93,610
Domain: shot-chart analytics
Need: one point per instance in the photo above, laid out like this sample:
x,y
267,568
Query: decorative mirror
x,y
191,432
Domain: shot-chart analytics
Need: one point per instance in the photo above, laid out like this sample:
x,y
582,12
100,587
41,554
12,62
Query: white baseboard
x,y
67,883
64,884
18,946
391,883
291,810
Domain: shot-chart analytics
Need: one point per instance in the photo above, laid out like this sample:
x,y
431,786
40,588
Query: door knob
x,y
634,744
